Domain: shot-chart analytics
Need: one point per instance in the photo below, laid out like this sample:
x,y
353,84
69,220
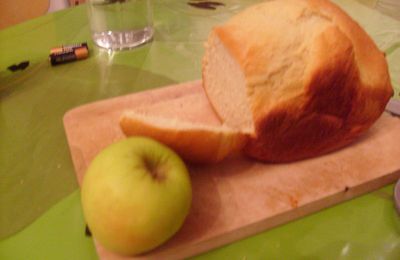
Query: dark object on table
x,y
88,233
21,66
210,5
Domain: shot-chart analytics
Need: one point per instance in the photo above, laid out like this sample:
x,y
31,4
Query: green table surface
x,y
40,210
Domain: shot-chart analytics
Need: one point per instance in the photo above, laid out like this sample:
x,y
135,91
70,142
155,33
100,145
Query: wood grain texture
x,y
240,197
18,11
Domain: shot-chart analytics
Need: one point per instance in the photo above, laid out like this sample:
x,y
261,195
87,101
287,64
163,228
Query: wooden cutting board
x,y
240,197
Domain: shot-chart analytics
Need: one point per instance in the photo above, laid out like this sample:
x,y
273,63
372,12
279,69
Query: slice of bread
x,y
188,125
299,76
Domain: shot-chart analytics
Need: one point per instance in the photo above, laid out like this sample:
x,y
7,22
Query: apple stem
x,y
154,169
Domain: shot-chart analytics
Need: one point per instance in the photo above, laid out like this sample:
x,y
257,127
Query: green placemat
x,y
36,170
57,234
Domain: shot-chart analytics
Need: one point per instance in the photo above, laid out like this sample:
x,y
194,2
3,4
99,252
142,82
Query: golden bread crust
x,y
313,88
197,144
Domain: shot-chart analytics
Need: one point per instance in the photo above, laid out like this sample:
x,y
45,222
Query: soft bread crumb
x,y
196,139
230,91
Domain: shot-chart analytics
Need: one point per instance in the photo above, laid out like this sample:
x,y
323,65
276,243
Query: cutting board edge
x,y
182,252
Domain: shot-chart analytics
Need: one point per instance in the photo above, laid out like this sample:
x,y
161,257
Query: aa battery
x,y
69,55
70,47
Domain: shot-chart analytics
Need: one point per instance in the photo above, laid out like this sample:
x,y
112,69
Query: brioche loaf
x,y
298,76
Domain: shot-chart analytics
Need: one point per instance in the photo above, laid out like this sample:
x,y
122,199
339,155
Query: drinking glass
x,y
120,24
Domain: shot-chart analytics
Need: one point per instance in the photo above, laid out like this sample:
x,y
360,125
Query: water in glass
x,y
120,24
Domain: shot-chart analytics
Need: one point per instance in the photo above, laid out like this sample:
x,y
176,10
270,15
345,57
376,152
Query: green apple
x,y
136,194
